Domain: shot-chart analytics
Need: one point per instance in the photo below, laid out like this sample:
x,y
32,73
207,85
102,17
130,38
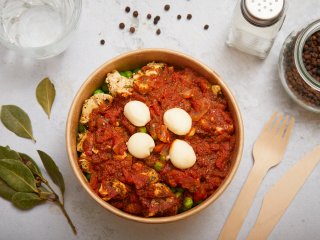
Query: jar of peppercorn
x,y
299,66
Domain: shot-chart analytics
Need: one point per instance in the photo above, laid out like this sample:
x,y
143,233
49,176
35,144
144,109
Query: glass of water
x,y
38,28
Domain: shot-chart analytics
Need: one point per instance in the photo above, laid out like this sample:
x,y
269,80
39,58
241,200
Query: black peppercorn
x,y
121,25
132,29
156,20
135,14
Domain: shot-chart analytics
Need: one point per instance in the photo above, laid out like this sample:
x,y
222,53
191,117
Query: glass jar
x,y
37,28
255,25
298,82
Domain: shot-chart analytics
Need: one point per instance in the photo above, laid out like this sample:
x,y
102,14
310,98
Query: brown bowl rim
x,y
167,219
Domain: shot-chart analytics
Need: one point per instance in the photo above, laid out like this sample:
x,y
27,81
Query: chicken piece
x,y
141,176
84,163
152,69
152,175
112,189
118,84
160,206
92,103
161,190
81,138
216,89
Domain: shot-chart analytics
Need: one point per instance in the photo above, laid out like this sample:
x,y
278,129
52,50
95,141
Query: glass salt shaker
x,y
255,25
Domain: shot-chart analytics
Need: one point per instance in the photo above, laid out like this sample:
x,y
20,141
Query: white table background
x,y
255,84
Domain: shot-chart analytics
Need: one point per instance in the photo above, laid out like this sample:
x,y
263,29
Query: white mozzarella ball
x,y
140,145
178,121
181,154
137,113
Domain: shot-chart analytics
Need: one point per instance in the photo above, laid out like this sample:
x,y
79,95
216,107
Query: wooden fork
x,y
268,151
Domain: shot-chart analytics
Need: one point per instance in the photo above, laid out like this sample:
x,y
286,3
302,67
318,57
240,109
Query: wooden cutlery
x,y
268,151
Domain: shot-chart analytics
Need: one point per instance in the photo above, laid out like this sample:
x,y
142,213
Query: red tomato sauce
x,y
133,185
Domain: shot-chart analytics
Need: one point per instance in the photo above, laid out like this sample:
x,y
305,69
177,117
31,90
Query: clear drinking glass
x,y
38,28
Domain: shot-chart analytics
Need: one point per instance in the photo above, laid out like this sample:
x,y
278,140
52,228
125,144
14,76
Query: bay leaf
x,y
17,121
17,175
52,170
45,94
7,153
45,193
5,191
31,164
25,201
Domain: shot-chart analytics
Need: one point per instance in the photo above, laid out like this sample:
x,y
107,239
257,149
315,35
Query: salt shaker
x,y
255,25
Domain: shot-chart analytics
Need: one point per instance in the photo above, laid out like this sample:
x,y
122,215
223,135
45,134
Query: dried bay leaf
x,y
17,175
7,153
17,121
25,201
31,164
5,191
52,170
45,94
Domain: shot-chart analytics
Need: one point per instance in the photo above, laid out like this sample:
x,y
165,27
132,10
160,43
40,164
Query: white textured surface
x,y
254,83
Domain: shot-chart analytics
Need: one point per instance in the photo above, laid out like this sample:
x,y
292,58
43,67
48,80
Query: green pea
x,y
97,91
178,194
136,70
174,190
142,129
88,176
187,203
127,74
82,128
105,88
163,158
179,189
158,166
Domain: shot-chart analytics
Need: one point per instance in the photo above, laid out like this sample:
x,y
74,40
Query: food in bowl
x,y
136,145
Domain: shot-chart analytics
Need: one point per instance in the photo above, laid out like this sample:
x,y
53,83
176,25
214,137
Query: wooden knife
x,y
279,197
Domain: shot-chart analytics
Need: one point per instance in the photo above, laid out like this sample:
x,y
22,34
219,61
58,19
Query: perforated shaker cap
x,y
262,12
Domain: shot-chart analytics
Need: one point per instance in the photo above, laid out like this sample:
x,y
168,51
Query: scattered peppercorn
x,y
127,9
158,31
135,14
149,16
206,27
102,41
132,29
122,26
179,17
189,16
167,7
156,20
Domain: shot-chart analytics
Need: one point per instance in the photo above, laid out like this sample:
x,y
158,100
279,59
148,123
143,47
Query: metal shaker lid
x,y
262,13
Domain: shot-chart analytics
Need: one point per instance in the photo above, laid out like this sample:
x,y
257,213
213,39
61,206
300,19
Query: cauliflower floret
x,y
92,103
119,84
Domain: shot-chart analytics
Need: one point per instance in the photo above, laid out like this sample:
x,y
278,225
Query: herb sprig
x,y
22,182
